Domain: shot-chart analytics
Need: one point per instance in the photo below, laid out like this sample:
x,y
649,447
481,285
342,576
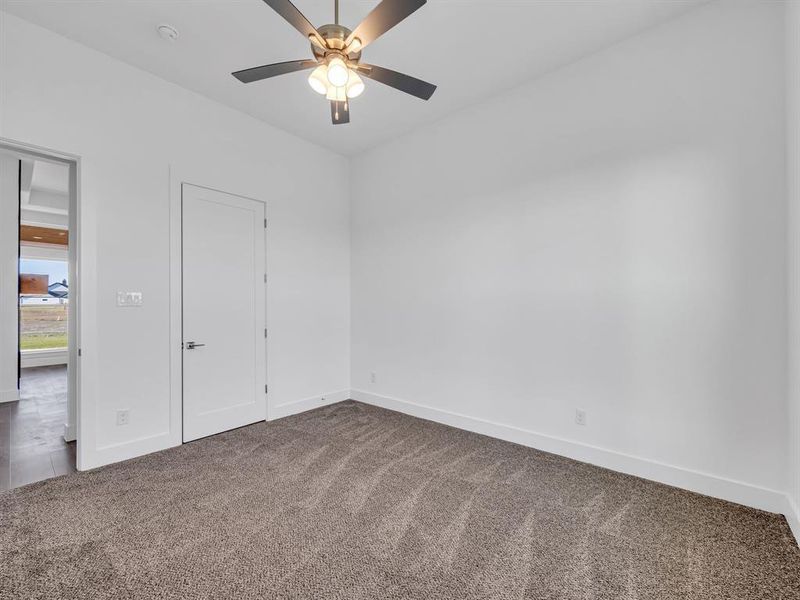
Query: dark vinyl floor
x,y
32,446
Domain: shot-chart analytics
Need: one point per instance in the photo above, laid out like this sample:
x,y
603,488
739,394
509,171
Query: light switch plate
x,y
129,298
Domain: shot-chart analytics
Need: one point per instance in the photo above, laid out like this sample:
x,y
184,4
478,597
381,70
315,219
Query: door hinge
x,y
265,332
265,278
79,352
265,223
266,389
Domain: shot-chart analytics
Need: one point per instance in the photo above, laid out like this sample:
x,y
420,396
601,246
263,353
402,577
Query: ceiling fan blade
x,y
267,71
340,112
382,18
295,18
404,83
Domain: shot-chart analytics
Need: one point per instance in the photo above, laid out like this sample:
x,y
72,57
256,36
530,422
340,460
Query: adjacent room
x,y
37,431
396,299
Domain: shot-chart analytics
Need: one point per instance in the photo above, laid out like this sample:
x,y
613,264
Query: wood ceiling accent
x,y
43,235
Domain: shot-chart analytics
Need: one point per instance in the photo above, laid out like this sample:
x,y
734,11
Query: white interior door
x,y
224,366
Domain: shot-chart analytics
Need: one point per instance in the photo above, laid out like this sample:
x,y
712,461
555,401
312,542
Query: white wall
x,y
793,231
610,237
9,286
129,129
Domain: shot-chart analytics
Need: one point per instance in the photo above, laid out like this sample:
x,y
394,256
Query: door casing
x,y
79,427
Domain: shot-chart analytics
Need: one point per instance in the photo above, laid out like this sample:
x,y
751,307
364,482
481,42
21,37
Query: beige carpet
x,y
356,502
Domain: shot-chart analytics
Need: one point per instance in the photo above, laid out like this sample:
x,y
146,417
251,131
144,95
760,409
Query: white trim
x,y
695,481
42,219
49,252
9,396
81,375
9,269
44,358
298,406
175,309
792,514
129,449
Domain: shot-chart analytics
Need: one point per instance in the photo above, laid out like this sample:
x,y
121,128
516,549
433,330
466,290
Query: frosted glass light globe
x,y
318,80
354,85
337,72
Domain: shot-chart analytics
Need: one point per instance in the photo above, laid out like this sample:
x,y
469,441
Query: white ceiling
x,y
471,49
50,177
44,192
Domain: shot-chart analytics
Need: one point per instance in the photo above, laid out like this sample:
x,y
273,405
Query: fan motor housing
x,y
334,36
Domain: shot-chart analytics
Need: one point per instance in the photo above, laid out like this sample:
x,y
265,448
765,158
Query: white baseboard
x,y
113,453
792,514
9,395
146,445
298,406
695,481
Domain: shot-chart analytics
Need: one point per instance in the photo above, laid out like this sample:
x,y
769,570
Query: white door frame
x,y
198,178
75,429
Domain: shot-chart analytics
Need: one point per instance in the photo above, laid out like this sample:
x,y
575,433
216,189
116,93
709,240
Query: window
x,y
43,311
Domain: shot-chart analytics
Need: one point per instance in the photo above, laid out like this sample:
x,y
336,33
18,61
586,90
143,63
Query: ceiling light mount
x,y
167,32
334,36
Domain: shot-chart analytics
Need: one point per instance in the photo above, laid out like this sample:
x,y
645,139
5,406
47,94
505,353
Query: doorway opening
x,y
38,316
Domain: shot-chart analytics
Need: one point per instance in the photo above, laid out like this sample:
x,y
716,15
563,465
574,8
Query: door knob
x,y
193,345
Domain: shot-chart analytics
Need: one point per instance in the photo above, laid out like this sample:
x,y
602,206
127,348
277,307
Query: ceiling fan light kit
x,y
337,56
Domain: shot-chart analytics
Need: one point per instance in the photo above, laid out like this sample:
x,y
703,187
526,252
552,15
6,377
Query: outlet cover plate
x,y
129,298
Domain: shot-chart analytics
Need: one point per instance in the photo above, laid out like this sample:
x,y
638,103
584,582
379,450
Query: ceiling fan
x,y
337,55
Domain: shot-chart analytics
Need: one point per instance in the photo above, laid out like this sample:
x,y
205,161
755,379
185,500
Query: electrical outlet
x,y
580,416
372,377
123,417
